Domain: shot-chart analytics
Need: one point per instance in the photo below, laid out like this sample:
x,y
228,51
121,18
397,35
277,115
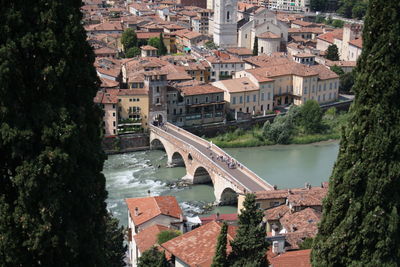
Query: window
x,y
217,97
254,98
324,86
248,99
319,98
313,88
330,95
262,49
114,131
113,105
330,86
319,88
241,99
113,114
137,99
335,85
305,90
206,99
180,111
305,99
113,123
245,36
234,100
262,96
269,96
228,16
174,111
187,101
196,100
158,100
262,107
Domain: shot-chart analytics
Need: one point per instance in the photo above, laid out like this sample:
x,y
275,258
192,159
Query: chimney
x,y
136,211
217,217
275,187
149,193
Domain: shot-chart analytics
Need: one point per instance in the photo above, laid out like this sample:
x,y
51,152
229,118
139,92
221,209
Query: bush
x,y
167,235
310,118
281,130
132,52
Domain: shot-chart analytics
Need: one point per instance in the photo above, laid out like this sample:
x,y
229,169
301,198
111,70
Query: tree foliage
x,y
114,250
310,117
360,224
129,39
167,235
255,46
332,53
154,42
353,8
346,82
210,45
152,257
52,193
220,258
132,52
250,245
338,70
162,49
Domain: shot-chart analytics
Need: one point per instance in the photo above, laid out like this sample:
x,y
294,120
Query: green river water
x,y
133,174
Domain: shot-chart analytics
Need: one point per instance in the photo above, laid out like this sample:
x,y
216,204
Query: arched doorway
x,y
177,160
228,197
201,176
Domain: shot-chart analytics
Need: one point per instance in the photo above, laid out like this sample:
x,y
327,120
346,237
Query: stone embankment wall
x,y
126,143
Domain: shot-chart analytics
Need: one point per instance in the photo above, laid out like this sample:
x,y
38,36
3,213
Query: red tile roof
x,y
357,42
300,258
151,207
197,247
147,238
330,36
268,35
222,217
200,90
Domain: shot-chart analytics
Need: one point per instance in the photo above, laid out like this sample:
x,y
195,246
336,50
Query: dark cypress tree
x,y
360,224
250,245
255,46
52,191
162,50
332,53
220,259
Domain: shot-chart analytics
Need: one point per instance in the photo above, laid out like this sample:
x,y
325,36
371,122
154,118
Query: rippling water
x,y
133,174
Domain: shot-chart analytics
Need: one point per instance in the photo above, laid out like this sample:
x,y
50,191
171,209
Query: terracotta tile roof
x,y
306,30
151,207
302,23
271,194
330,36
276,213
221,57
283,70
268,35
107,83
105,50
108,96
300,258
357,42
241,51
131,92
265,60
222,217
197,247
148,47
243,84
106,26
200,90
304,220
303,55
188,34
147,238
341,63
147,35
324,73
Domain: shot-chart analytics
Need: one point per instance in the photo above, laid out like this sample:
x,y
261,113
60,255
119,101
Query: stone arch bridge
x,y
199,158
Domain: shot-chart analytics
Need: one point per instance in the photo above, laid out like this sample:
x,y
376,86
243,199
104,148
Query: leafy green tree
x,y
319,19
52,191
220,259
318,5
338,70
332,53
154,42
255,46
310,118
360,225
359,10
132,52
167,235
129,39
162,49
152,257
250,245
281,130
307,243
346,82
337,23
210,45
114,251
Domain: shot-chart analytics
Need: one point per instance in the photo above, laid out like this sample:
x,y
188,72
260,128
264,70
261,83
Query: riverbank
x,y
332,124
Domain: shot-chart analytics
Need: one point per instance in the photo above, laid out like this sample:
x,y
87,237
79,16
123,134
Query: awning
x,y
186,49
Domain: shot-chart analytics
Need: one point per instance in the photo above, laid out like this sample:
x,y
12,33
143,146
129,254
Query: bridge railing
x,y
221,152
199,155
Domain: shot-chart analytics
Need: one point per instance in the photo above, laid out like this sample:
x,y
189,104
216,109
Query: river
x,y
133,174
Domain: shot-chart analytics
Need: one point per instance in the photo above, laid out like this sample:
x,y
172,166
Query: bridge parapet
x,y
200,157
221,152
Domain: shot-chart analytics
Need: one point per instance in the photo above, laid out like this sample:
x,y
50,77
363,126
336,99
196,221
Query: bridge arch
x,y
177,160
156,144
202,176
228,196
